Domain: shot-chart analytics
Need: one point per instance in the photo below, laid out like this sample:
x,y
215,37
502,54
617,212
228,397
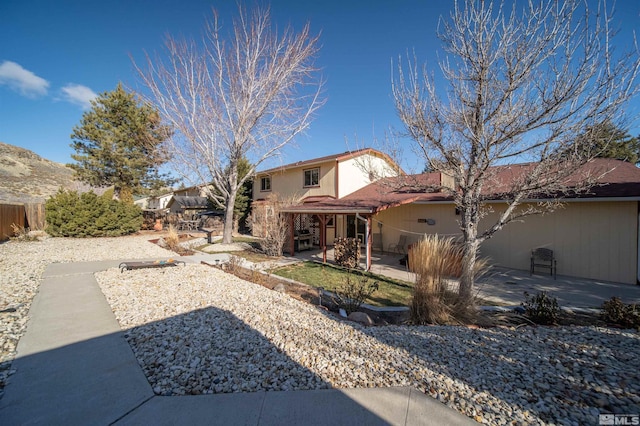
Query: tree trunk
x,y
467,279
469,225
227,232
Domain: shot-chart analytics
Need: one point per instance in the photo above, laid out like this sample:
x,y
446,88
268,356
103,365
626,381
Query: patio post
x,y
292,234
369,242
323,236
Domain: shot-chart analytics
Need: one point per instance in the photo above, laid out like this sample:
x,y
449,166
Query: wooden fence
x,y
30,216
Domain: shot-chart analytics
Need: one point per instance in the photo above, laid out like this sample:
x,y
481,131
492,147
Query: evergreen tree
x,y
242,207
606,140
118,142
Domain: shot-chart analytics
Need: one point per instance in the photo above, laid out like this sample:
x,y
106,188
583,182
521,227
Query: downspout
x,y
336,184
366,233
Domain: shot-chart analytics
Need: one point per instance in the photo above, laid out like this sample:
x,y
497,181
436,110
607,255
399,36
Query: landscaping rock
x,y
360,317
280,288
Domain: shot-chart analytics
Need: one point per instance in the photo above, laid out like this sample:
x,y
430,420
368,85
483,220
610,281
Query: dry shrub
x,y
354,291
172,239
233,265
435,262
270,223
20,233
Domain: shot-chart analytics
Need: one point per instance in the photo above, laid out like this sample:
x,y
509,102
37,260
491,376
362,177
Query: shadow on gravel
x,y
98,380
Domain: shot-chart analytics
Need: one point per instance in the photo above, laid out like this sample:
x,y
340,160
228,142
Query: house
x,y
318,180
188,205
154,202
595,235
161,202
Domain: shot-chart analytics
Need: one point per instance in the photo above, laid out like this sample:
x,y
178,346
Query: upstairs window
x,y
265,183
312,177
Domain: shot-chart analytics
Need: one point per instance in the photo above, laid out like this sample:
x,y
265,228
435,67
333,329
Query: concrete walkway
x,y
74,367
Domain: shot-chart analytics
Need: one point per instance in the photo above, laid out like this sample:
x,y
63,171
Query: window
x,y
265,183
312,177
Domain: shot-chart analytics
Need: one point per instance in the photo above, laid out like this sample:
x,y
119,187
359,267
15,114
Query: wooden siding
x,y
596,240
30,216
290,182
11,214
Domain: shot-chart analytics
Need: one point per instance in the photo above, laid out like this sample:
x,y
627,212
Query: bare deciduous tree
x,y
523,82
270,223
245,96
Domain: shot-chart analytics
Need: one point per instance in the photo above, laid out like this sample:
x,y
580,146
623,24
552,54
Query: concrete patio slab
x,y
507,286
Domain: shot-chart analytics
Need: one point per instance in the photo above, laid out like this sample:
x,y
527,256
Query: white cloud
x,y
21,80
79,95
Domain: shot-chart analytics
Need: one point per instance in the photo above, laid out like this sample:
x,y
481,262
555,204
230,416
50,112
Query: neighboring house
x,y
320,179
192,191
162,201
594,235
188,205
154,202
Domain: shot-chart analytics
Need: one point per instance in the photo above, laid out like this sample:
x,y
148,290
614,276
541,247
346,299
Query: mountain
x,y
25,177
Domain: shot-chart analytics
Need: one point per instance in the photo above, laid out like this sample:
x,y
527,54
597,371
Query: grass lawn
x,y
251,255
390,292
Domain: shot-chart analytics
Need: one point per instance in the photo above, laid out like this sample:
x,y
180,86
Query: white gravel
x,y
198,330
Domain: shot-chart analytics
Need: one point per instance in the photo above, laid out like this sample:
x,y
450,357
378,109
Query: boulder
x,y
360,317
280,288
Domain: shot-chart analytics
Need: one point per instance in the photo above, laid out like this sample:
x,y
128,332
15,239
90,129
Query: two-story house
x,y
321,179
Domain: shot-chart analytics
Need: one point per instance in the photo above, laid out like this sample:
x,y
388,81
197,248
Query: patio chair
x,y
401,246
543,258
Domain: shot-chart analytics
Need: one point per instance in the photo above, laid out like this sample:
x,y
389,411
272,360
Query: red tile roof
x,y
616,179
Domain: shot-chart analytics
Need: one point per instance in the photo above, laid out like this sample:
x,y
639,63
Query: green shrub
x,y
70,214
541,308
618,313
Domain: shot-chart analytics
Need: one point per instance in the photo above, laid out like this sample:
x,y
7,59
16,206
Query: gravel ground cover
x,y
197,330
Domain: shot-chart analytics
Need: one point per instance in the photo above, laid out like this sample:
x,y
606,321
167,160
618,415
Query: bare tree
x,y
523,82
245,96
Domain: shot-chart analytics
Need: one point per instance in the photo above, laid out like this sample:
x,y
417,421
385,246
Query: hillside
x,y
25,177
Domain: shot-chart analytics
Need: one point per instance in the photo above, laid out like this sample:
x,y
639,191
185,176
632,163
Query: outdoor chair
x,y
401,246
543,258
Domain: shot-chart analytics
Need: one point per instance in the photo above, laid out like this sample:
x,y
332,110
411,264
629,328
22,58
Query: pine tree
x,y
606,140
118,142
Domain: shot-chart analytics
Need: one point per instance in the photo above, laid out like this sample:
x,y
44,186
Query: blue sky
x,y
56,55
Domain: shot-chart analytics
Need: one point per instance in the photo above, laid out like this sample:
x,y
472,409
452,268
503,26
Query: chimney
x,y
447,181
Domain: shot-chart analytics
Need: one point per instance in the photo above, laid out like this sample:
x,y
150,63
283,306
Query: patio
x,y
507,286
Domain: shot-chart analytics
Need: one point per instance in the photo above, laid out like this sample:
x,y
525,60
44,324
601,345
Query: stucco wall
x,y
596,240
353,173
